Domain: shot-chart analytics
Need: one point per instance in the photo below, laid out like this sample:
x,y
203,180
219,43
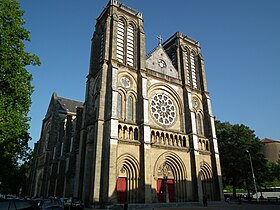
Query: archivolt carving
x,y
128,166
164,170
205,171
171,165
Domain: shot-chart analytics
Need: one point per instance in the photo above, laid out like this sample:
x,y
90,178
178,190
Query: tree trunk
x,y
248,190
234,191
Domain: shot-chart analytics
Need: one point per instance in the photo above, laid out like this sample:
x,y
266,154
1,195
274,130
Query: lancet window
x,y
120,41
130,108
130,45
187,67
119,106
199,123
126,107
174,58
101,47
193,70
125,43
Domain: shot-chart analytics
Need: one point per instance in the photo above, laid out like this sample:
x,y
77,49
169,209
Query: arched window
x,y
193,69
125,43
54,153
46,142
119,105
184,142
199,124
120,41
153,137
157,137
135,134
130,45
174,58
187,67
120,132
130,108
62,149
207,145
130,133
101,47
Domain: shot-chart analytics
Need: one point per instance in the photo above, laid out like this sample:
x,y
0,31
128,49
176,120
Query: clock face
x,y
163,109
161,63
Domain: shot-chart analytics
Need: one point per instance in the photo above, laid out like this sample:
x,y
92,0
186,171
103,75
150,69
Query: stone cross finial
x,y
159,39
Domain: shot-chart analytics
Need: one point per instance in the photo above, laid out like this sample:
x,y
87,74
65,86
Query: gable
x,y
62,105
52,106
160,62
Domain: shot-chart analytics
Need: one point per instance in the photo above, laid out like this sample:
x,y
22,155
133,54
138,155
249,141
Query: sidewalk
x,y
211,206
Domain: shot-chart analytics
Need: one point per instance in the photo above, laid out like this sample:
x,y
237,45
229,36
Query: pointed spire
x,y
54,95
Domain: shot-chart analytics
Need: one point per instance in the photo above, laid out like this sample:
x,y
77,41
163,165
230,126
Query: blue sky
x,y
239,41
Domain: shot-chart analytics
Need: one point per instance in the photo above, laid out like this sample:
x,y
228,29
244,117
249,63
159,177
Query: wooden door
x,y
160,189
121,190
170,187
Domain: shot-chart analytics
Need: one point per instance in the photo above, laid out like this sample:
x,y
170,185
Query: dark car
x,y
73,204
51,204
18,204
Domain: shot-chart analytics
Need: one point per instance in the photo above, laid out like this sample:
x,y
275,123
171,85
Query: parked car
x,y
51,204
73,204
18,204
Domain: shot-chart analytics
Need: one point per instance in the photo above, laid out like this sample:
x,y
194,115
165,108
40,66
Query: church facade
x,y
145,132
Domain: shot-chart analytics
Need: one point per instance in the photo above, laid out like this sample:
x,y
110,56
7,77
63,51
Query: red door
x,y
170,186
160,190
121,190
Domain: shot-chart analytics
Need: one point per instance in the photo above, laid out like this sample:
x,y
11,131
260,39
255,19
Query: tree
x,y
273,174
15,87
234,141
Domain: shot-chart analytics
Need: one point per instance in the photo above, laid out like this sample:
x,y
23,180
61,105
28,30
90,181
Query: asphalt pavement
x,y
229,207
216,206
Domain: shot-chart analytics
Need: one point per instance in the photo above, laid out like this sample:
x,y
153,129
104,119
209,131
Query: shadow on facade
x,y
165,191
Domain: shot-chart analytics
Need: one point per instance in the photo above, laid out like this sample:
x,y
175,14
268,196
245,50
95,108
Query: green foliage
x,y
272,175
15,86
234,142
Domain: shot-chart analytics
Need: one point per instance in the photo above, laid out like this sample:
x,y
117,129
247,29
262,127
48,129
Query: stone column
x,y
215,158
146,143
197,185
113,124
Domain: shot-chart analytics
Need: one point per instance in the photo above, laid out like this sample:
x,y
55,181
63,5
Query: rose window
x,y
162,108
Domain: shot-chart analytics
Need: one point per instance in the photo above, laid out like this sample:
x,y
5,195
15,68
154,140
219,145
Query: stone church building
x,y
145,132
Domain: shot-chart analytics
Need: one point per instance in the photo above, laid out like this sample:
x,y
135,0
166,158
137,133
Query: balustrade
x,y
169,138
203,144
127,132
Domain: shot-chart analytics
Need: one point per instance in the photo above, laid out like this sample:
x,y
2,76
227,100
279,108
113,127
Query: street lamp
x,y
254,179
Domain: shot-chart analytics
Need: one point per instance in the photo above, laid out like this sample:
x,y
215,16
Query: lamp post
x,y
254,179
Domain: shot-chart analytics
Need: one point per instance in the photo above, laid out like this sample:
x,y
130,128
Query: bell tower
x,y
117,55
186,56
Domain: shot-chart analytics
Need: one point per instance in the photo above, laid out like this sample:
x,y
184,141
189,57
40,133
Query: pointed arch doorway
x,y
165,190
206,180
170,176
128,179
122,189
